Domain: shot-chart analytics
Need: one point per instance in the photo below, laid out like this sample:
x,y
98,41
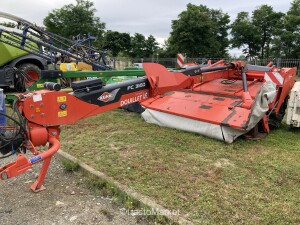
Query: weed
x,y
69,165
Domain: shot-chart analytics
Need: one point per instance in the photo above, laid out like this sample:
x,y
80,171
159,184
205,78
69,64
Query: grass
x,y
208,181
119,197
69,166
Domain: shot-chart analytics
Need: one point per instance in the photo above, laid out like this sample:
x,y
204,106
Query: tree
x,y
287,41
151,46
138,46
245,35
117,42
142,47
200,31
256,33
266,21
71,20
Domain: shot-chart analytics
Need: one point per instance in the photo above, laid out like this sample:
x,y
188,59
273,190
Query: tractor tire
x,y
26,76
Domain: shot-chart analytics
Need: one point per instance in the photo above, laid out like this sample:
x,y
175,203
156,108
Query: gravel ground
x,y
66,200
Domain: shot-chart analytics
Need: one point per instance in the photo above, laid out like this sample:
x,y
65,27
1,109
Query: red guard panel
x,y
161,80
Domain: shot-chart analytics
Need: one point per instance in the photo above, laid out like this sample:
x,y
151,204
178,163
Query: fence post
x,y
278,62
114,62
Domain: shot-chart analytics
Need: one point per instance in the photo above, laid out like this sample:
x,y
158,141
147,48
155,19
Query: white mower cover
x,y
227,134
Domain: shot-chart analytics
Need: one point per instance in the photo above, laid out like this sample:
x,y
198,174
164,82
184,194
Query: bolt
x,y
42,104
31,106
42,114
32,116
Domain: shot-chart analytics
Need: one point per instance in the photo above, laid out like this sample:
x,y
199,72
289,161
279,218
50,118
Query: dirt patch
x,y
222,163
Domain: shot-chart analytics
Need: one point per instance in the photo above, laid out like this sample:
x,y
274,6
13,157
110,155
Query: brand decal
x,y
108,96
105,97
137,98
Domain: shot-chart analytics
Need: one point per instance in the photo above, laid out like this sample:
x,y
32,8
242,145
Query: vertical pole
x,y
24,36
38,184
278,62
244,79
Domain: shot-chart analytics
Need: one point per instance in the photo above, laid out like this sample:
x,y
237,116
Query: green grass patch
x,y
105,188
69,166
208,181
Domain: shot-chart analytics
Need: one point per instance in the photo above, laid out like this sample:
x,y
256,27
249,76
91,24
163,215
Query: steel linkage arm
x,y
22,164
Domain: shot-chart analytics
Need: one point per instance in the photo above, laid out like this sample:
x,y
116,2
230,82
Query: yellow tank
x,y
68,67
83,66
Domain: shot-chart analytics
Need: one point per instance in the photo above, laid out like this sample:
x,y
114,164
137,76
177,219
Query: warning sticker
x,y
62,114
62,99
37,98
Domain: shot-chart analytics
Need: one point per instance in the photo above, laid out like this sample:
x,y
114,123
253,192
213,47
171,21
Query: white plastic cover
x,y
223,133
293,110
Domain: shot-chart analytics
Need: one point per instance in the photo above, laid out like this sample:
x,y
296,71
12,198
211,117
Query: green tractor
x,y
18,69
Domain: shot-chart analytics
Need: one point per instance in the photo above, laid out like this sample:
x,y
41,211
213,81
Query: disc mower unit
x,y
220,100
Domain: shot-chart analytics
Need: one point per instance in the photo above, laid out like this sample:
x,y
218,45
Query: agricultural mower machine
x,y
221,100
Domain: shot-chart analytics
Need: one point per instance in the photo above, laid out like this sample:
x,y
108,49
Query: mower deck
x,y
212,102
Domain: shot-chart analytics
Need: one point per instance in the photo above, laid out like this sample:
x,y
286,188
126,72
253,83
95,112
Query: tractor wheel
x,y
26,76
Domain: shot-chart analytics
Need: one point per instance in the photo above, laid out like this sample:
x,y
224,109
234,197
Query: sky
x,y
137,16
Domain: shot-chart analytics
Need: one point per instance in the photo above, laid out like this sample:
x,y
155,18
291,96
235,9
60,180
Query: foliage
x,y
245,35
287,40
255,34
71,20
151,46
117,42
266,22
200,31
142,47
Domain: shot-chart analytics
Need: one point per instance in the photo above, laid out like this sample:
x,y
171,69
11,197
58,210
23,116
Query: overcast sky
x,y
136,16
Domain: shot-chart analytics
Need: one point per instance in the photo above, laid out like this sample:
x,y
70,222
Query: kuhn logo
x,y
105,97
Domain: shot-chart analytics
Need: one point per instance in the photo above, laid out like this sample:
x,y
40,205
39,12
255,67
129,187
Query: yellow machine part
x,y
84,66
68,67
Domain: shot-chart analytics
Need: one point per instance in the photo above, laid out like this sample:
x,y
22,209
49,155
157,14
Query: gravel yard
x,y
66,200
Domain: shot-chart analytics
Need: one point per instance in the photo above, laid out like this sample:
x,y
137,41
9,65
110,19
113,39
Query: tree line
x,y
71,20
203,32
198,31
